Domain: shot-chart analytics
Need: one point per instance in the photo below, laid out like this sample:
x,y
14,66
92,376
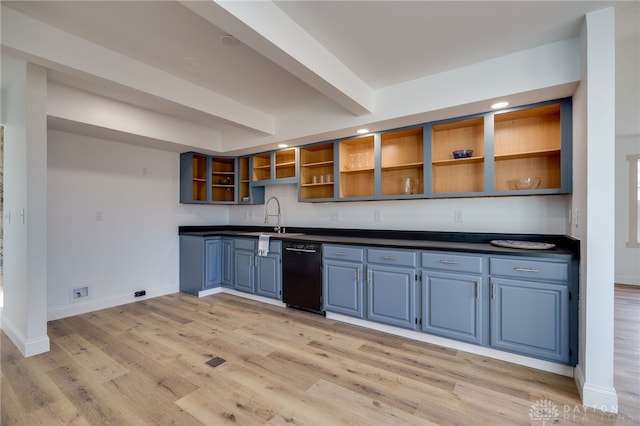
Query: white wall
x,y
627,259
536,214
135,245
592,205
24,89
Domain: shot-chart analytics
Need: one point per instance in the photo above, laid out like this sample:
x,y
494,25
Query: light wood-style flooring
x,y
145,364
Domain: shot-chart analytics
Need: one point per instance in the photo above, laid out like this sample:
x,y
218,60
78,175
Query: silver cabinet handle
x,y
521,269
449,262
388,257
357,275
340,253
300,250
369,276
250,260
493,291
477,289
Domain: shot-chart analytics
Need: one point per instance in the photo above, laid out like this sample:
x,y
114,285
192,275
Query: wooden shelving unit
x,y
401,156
527,142
262,167
223,179
286,163
199,179
317,172
357,167
462,175
243,179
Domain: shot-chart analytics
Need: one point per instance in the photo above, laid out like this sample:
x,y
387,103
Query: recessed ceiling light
x,y
229,40
362,131
499,105
192,60
282,145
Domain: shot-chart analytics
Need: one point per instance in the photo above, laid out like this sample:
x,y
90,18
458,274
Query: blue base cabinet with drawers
x,y
530,308
521,304
342,287
453,299
391,287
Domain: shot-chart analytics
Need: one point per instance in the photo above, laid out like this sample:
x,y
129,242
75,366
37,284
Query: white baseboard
x,y
596,397
92,304
242,294
549,366
627,279
28,347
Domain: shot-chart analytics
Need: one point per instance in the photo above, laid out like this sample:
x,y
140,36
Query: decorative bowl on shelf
x,y
527,182
463,153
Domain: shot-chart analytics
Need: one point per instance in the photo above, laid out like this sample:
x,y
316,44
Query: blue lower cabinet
x,y
342,288
452,305
268,276
199,263
530,318
227,262
244,271
391,295
261,275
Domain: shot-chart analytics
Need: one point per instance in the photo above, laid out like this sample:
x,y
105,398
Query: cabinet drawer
x,y
391,257
352,254
527,268
452,262
246,244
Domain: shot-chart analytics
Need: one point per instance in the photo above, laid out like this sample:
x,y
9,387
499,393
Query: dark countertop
x,y
423,240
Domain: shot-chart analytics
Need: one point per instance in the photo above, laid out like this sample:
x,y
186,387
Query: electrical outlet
x,y
377,216
79,293
335,216
458,216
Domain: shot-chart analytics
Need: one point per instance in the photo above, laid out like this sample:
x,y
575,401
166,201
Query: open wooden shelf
x,y
458,161
243,179
317,160
199,178
527,142
223,175
529,154
356,167
457,175
318,164
285,163
261,167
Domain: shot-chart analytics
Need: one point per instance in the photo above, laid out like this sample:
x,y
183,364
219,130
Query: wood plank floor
x,y
145,364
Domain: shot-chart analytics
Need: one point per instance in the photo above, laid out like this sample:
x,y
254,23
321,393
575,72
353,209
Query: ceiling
x,y
294,56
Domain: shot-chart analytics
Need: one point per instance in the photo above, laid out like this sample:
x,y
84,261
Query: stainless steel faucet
x,y
267,215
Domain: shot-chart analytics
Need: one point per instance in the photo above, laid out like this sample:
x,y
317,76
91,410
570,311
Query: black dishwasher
x,y
302,276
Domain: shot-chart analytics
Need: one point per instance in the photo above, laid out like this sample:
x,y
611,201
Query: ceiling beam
x,y
53,48
265,28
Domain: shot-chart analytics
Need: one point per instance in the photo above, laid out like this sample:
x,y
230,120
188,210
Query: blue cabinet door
x,y
452,305
530,318
391,295
269,276
244,271
342,288
212,271
227,262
